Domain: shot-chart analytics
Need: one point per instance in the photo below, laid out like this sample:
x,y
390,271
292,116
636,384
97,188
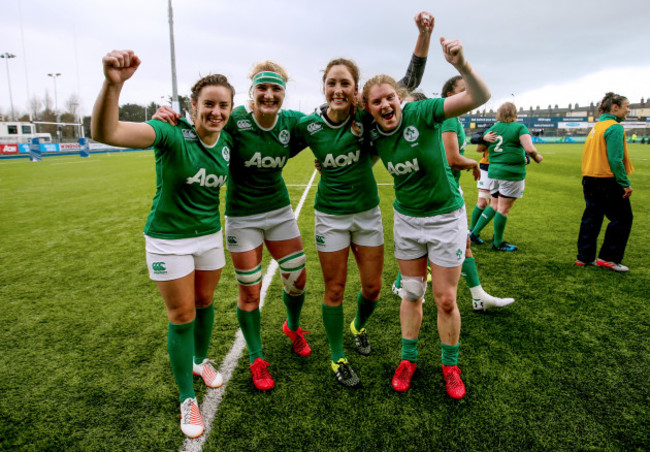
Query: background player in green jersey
x,y
183,237
507,171
453,138
347,203
430,220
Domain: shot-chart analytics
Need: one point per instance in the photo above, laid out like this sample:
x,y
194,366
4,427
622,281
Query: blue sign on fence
x,y
84,145
35,149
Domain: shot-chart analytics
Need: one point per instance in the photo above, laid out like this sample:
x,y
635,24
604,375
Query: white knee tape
x,y
291,267
249,277
413,287
484,195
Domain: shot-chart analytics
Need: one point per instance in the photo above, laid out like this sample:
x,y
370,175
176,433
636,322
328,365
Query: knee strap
x,y
291,266
413,287
484,195
249,277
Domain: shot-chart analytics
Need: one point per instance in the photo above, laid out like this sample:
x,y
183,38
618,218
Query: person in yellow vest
x,y
605,168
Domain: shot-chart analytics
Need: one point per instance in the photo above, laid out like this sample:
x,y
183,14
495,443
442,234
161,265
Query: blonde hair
x,y
507,112
264,66
270,66
382,79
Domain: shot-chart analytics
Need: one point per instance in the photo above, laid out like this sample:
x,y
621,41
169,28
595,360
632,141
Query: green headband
x,y
269,77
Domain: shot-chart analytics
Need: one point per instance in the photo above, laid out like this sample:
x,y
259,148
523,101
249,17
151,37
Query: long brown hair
x,y
354,72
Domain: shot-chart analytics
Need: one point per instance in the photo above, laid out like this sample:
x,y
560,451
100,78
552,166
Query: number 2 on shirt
x,y
499,142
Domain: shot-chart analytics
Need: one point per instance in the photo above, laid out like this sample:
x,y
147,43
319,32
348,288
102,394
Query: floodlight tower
x,y
7,56
56,102
175,104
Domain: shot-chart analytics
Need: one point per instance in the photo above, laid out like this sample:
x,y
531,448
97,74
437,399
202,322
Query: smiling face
x,y
267,99
212,110
621,111
383,104
340,89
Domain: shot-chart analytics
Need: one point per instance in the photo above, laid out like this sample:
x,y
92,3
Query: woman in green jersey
x,y
453,139
430,221
507,171
258,211
347,203
184,244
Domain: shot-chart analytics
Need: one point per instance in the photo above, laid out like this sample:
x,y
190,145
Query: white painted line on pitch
x,y
213,397
70,163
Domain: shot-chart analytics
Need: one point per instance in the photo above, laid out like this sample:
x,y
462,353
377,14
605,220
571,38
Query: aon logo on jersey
x,y
399,169
265,162
209,180
341,160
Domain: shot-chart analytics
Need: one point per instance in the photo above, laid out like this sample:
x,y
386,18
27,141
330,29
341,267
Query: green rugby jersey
x,y
347,184
256,184
414,155
189,177
507,155
456,126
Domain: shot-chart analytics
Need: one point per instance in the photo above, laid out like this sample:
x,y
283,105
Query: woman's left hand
x,y
453,52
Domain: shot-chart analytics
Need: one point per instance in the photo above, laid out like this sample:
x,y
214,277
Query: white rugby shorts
x,y
249,232
336,232
508,188
442,238
169,259
484,183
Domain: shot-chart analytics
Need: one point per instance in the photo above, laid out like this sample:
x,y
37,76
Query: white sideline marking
x,y
213,397
70,163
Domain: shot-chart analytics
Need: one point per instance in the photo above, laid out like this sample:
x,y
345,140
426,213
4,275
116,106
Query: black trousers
x,y
604,198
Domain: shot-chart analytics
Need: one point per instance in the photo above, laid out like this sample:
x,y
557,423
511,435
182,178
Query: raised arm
x,y
105,126
476,91
527,142
411,80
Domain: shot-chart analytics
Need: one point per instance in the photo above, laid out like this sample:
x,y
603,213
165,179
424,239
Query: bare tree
x,y
35,105
72,105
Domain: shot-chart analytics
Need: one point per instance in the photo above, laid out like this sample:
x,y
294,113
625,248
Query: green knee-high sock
x,y
365,308
180,345
499,227
398,280
410,349
470,273
483,220
449,354
250,324
476,214
333,323
202,332
293,303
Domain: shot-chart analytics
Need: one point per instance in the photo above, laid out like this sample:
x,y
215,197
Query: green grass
x,y
83,359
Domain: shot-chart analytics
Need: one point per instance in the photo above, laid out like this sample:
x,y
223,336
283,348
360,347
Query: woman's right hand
x,y
166,114
120,65
425,22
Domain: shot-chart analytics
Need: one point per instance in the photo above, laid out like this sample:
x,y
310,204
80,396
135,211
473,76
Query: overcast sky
x,y
535,52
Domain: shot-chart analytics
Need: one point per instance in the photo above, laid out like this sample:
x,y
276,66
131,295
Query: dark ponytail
x,y
609,101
